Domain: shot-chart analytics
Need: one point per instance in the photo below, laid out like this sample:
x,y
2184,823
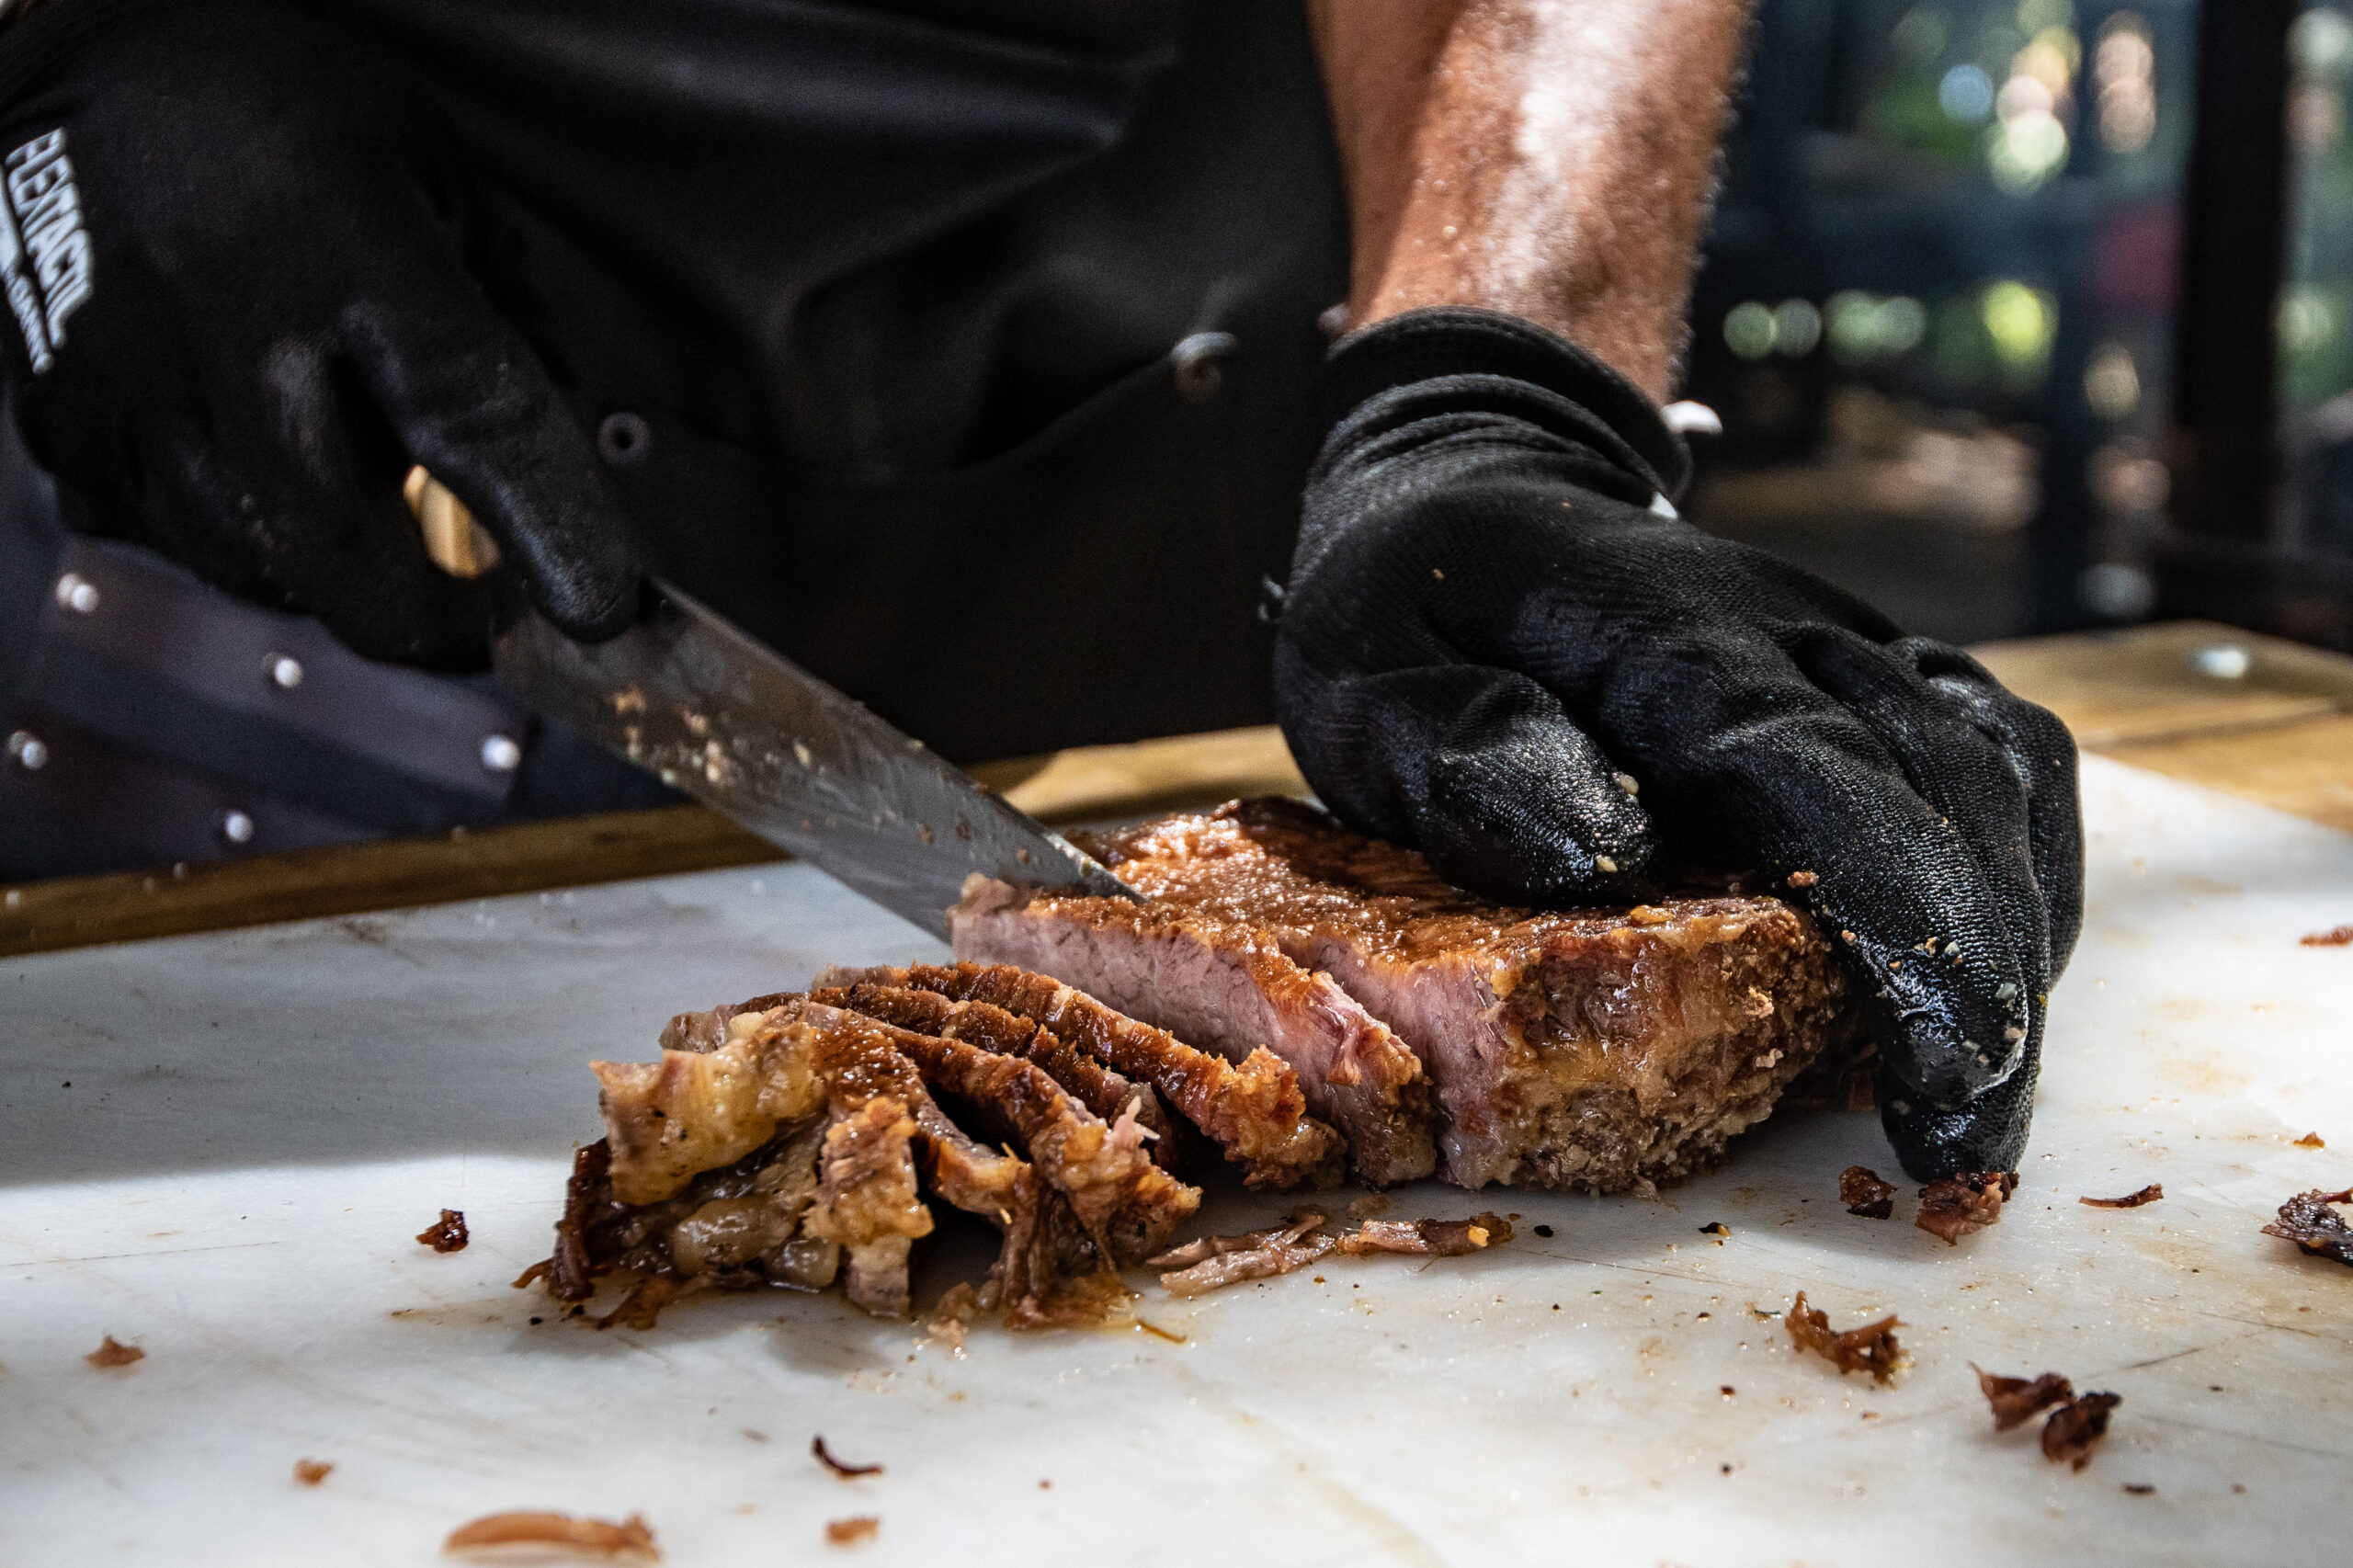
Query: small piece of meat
x,y
849,1533
310,1472
1107,1093
868,1203
600,1537
2076,1426
1872,1348
2148,1194
1435,1238
953,1315
2017,1401
845,1472
1960,1204
1215,1262
1863,1193
2309,1222
1225,987
2311,1140
1253,1108
2338,936
445,1234
112,1352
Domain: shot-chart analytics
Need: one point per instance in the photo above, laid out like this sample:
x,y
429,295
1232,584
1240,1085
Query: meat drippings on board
x,y
1863,1193
1872,1348
1588,1049
1959,1205
2308,1221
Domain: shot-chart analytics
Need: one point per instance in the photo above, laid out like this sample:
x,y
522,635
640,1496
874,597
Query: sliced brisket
x,y
1253,1109
1579,1049
1225,986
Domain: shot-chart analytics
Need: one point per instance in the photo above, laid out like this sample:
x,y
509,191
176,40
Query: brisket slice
x,y
1124,1202
1226,986
1253,1109
1106,1093
1580,1049
861,1066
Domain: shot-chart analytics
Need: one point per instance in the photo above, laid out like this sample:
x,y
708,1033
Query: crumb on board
x,y
1872,1348
1863,1193
310,1472
1716,1229
2336,936
850,1531
112,1352
600,1538
2308,1221
846,1471
2311,1140
1957,1205
2148,1194
445,1234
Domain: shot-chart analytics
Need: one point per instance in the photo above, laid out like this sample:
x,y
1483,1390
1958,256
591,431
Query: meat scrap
x,y
1960,1204
2078,1422
1432,1238
2017,1401
310,1472
1863,1193
2337,936
600,1537
2076,1426
848,1532
2309,1222
1872,1348
112,1352
2148,1194
1215,1262
846,1471
445,1234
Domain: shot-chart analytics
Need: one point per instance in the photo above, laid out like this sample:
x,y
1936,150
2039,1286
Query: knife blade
x,y
752,735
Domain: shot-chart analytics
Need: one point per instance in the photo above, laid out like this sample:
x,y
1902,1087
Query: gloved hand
x,y
237,322
1497,647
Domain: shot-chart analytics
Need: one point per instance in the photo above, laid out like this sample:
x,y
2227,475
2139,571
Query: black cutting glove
x,y
237,322
1501,647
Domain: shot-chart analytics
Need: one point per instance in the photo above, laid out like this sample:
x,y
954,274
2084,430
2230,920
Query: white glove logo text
x,y
41,220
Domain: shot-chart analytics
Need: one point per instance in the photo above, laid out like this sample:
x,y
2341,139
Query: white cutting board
x,y
259,1121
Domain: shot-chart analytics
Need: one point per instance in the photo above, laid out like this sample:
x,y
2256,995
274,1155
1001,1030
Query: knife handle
x,y
455,541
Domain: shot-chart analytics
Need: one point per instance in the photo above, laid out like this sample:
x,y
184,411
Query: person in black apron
x,y
975,354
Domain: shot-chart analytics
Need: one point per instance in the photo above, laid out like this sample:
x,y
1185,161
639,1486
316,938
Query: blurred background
x,y
2031,315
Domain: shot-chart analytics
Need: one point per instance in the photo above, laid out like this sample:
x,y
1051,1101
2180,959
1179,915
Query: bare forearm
x,y
1548,158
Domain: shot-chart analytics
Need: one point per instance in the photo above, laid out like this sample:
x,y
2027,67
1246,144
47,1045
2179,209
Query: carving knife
x,y
752,735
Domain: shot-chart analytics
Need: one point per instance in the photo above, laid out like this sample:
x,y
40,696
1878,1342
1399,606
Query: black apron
x,y
961,349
